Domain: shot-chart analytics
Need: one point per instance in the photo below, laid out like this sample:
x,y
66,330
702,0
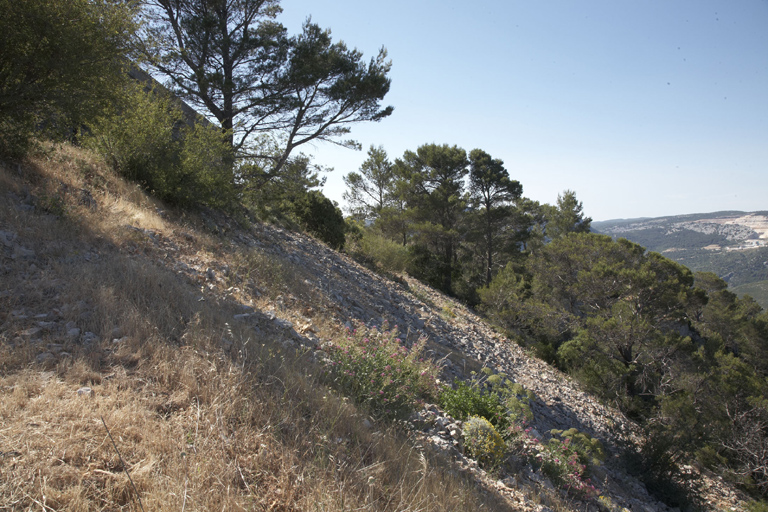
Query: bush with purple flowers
x,y
561,459
375,369
560,462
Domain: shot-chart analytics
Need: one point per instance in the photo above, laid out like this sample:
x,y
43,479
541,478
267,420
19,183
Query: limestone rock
x,y
85,391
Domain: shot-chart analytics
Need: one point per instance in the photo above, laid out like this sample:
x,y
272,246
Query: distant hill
x,y
732,244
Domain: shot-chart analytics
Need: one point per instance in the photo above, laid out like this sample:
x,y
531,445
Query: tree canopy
x,y
61,65
269,91
373,188
433,189
491,192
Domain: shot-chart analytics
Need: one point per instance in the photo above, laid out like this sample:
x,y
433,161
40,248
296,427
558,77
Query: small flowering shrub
x,y
589,449
373,368
558,459
483,442
560,462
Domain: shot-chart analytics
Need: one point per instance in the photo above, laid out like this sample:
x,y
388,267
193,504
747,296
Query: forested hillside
x,y
674,349
733,245
154,283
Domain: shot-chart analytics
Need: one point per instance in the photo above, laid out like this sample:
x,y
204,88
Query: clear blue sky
x,y
644,108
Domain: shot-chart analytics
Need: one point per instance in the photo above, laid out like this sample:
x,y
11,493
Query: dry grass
x,y
201,424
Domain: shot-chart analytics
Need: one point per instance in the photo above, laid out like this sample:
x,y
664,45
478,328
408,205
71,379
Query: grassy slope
x,y
207,414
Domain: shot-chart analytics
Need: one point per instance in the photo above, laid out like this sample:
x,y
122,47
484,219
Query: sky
x,y
643,108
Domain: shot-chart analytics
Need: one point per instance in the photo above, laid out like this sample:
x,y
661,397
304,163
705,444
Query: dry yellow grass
x,y
200,424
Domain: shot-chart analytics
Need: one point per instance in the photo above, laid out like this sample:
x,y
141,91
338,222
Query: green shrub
x,y
518,410
206,165
371,248
589,449
495,398
61,65
321,217
388,255
470,399
560,461
483,442
272,197
151,143
376,370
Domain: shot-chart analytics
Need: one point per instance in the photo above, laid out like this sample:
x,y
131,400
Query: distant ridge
x,y
733,244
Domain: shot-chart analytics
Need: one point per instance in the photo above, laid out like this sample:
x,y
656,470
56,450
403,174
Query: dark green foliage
x,y
150,142
320,217
60,66
433,188
271,93
274,198
758,290
492,192
216,58
375,250
567,217
661,475
427,266
680,354
610,310
686,237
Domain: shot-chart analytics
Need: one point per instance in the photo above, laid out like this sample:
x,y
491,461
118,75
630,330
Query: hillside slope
x,y
191,342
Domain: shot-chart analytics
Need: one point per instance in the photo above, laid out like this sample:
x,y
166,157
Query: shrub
x,y
589,449
61,63
373,367
496,399
470,399
390,256
560,461
150,143
483,442
321,217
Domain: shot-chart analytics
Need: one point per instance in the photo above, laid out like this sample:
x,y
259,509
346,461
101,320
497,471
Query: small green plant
x,y
473,399
483,442
493,397
757,506
375,369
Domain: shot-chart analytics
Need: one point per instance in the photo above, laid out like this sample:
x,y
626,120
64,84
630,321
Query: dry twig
x,y
125,467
